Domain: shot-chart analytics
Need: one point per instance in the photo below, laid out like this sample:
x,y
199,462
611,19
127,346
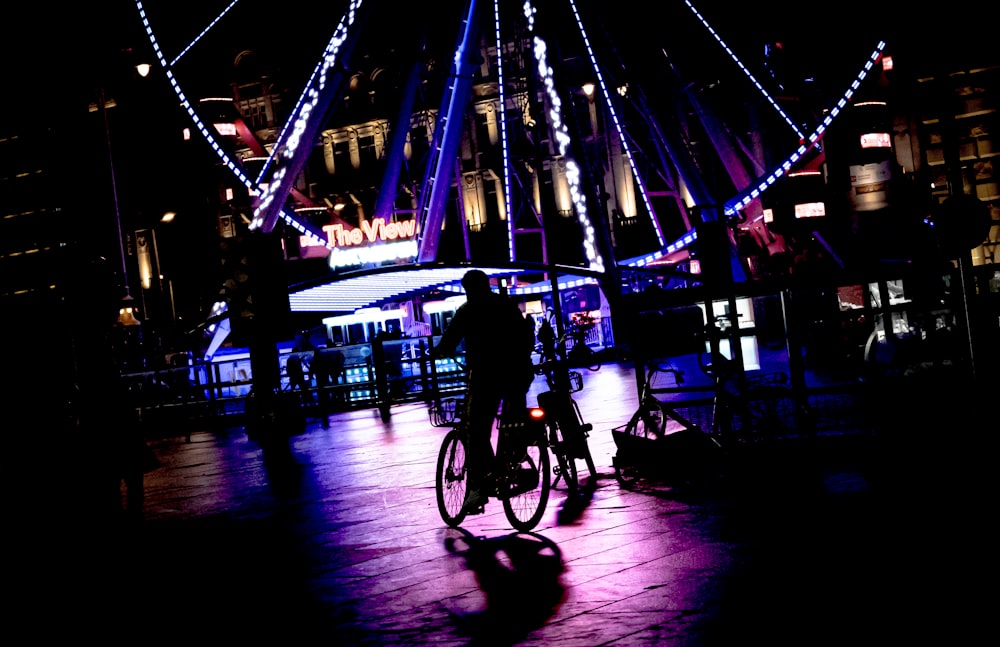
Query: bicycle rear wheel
x,y
565,464
588,460
450,482
576,448
528,481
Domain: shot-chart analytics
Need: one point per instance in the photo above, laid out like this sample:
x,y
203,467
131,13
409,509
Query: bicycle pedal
x,y
478,510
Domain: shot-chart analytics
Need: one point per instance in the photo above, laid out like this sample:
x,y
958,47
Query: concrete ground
x,y
338,541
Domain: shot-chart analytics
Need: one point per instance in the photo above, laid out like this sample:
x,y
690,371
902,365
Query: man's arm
x,y
452,335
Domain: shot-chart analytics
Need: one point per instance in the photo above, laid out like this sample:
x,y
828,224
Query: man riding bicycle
x,y
498,343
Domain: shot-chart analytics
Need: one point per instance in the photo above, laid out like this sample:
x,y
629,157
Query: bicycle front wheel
x,y
650,421
451,482
645,426
529,487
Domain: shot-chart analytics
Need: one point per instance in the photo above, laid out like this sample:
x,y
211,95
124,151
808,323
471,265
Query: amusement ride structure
x,y
515,136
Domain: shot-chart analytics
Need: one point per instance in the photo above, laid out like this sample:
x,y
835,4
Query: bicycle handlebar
x,y
434,355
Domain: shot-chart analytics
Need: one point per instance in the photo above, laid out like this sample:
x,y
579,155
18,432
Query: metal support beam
x,y
453,106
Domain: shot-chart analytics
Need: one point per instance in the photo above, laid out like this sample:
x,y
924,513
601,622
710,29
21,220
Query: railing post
x,y
434,387
382,396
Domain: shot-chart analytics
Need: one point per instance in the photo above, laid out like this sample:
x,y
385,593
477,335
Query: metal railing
x,y
375,375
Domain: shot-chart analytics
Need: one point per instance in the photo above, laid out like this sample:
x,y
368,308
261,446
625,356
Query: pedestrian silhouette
x,y
104,409
498,346
297,365
547,340
327,365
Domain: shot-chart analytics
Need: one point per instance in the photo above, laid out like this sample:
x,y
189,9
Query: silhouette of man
x,y
298,363
498,348
327,365
547,339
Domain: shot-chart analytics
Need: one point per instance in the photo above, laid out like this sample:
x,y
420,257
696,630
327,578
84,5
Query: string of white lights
x,y
203,128
561,133
316,77
619,130
277,187
746,71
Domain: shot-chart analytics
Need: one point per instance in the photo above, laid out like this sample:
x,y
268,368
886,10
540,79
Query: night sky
x,y
76,45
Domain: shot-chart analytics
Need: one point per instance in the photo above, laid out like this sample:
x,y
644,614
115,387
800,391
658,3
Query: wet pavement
x,y
338,541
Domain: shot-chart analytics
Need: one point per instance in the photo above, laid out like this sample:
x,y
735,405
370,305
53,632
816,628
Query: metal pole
x,y
114,189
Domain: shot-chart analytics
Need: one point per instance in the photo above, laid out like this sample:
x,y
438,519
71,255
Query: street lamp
x,y
127,310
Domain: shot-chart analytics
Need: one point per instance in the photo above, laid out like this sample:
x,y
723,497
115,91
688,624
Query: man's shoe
x,y
474,502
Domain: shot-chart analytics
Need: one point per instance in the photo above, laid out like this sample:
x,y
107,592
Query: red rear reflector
x,y
536,413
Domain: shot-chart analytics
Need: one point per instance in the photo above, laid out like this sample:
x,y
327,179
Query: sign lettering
x,y
376,231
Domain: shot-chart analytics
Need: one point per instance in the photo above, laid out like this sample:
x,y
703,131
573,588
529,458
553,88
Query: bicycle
x,y
522,472
661,441
756,410
568,432
570,346
578,353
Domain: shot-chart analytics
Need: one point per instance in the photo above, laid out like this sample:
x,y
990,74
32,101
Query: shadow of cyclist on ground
x,y
519,573
576,502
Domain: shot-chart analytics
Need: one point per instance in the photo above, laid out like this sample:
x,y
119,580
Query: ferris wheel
x,y
193,44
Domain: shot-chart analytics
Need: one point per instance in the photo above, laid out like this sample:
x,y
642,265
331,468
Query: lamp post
x,y
102,106
127,309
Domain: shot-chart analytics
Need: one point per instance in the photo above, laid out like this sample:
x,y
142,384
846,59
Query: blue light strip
x,y
748,195
504,144
546,286
199,36
675,246
618,128
447,136
750,76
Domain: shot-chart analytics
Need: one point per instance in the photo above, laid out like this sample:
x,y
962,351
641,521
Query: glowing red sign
x,y
876,140
370,232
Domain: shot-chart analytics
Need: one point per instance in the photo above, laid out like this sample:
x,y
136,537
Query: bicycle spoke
x,y
450,482
531,480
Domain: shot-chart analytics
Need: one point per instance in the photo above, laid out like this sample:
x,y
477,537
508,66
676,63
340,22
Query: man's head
x,y
476,283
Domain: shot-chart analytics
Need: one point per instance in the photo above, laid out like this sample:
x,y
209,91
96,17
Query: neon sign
x,y
378,230
373,242
876,140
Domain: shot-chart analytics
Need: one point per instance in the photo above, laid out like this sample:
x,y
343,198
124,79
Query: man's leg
x,y
482,409
515,396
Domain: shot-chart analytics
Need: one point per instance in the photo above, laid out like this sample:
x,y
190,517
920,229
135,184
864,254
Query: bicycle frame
x,y
660,441
521,477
